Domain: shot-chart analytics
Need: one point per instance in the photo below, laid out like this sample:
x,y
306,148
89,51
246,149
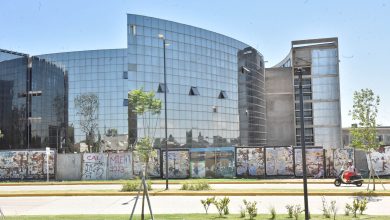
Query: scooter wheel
x,y
359,184
337,182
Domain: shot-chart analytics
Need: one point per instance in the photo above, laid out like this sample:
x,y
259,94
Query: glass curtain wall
x,y
202,83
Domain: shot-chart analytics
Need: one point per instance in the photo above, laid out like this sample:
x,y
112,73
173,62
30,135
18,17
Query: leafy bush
x,y
222,206
225,201
207,202
363,206
197,186
133,185
290,209
251,208
357,205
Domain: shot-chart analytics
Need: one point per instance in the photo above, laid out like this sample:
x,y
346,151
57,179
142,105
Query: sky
x,y
363,28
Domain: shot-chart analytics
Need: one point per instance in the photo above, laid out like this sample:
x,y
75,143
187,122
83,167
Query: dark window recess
x,y
222,95
125,75
244,69
125,102
161,88
193,91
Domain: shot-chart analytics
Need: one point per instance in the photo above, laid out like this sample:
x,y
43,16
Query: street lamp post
x,y
161,36
303,145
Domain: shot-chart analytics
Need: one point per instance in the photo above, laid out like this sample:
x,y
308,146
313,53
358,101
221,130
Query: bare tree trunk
x,y
144,191
372,172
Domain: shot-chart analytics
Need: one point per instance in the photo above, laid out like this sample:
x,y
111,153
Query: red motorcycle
x,y
345,177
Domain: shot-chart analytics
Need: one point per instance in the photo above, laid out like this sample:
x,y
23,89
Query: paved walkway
x,y
168,204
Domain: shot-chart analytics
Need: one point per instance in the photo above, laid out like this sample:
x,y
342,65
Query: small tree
x,y
87,106
146,105
364,136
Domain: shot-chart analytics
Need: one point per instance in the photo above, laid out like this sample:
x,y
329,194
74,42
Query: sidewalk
x,y
177,181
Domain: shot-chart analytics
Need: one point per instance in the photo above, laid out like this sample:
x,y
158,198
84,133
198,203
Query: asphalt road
x,y
177,186
168,204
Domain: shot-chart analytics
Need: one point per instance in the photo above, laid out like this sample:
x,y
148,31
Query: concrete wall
x,y
94,166
68,167
119,166
25,164
380,161
361,162
279,96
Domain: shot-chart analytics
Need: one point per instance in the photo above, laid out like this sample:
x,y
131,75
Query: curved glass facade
x,y
202,70
32,103
100,72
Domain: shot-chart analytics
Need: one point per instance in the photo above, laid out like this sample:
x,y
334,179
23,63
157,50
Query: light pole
x,y
303,145
161,36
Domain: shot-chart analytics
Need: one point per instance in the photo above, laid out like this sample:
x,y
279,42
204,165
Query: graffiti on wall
x,y
314,162
339,158
25,165
198,163
225,166
37,164
94,166
153,165
380,161
178,164
13,164
119,166
279,161
212,162
250,162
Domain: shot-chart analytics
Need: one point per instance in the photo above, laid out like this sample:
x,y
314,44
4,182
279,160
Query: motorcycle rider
x,y
350,172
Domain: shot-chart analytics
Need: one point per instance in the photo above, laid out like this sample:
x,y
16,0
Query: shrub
x,y
133,185
251,208
329,210
197,186
225,201
347,209
207,202
242,212
290,209
325,208
296,211
222,205
333,209
363,205
273,212
355,207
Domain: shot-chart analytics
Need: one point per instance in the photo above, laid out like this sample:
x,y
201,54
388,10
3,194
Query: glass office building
x,y
215,92
32,102
202,69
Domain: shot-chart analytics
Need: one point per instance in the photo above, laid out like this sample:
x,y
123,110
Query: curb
x,y
162,193
163,183
173,183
